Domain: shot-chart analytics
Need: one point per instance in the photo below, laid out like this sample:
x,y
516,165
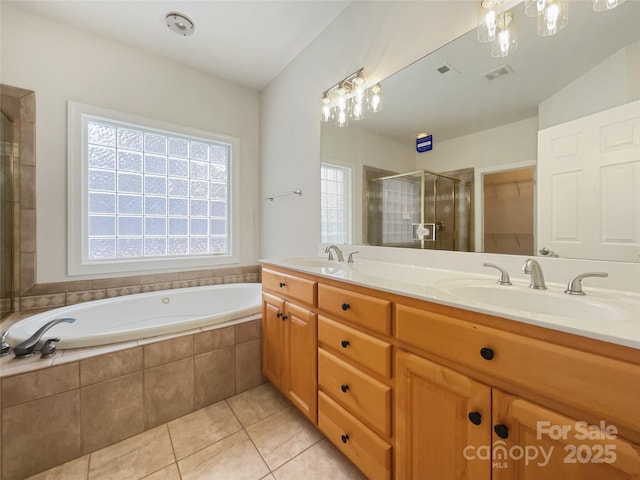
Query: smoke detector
x,y
180,24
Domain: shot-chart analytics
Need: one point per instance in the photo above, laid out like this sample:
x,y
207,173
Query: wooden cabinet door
x,y
435,437
301,359
273,339
541,444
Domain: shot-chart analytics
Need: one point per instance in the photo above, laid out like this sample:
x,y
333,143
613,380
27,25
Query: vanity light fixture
x,y
497,26
349,100
180,24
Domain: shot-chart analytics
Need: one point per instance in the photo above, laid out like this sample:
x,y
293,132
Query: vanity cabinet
x,y
439,412
563,447
289,336
409,389
354,377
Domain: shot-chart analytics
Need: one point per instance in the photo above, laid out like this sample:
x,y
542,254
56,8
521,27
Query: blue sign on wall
x,y
424,144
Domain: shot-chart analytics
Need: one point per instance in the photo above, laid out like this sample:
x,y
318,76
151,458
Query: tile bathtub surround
x,y
105,399
50,295
229,439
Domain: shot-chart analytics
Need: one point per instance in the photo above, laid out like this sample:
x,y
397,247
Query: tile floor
x,y
254,435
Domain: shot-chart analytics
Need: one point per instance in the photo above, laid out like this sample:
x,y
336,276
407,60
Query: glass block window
x,y
154,194
335,204
400,209
142,195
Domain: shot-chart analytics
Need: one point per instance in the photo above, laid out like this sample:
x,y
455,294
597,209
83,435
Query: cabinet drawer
x,y
370,312
294,287
604,386
363,447
355,345
363,395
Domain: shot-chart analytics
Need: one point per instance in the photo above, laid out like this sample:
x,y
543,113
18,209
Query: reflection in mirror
x,y
544,139
6,213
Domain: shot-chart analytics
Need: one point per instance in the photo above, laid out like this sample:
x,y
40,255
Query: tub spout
x,y
26,348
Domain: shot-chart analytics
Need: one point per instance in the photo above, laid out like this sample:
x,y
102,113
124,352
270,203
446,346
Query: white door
x,y
589,186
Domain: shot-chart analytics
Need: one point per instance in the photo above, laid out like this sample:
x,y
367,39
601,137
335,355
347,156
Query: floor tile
x,y
258,403
167,473
77,469
133,458
282,436
234,457
202,428
320,462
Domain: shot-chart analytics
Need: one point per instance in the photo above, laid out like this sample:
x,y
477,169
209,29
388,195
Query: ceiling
x,y
246,42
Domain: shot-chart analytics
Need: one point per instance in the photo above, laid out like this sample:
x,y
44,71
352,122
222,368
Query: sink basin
x,y
540,302
315,262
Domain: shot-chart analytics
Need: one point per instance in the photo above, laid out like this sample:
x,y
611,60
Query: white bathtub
x,y
143,315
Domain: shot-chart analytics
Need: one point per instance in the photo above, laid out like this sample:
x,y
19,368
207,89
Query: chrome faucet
x,y
5,346
333,248
26,348
533,268
350,259
503,278
575,284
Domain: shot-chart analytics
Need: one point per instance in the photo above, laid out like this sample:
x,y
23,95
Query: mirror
x,y
486,117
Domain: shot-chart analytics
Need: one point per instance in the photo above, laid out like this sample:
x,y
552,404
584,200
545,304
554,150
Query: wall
x,y
355,147
382,37
61,63
514,142
616,81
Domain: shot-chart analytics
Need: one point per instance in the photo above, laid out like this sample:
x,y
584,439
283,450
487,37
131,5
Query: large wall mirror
x,y
536,153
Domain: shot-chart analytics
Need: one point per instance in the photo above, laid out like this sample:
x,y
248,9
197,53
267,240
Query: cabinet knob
x,y
501,430
345,306
475,418
487,353
278,315
344,388
282,284
284,317
344,343
345,438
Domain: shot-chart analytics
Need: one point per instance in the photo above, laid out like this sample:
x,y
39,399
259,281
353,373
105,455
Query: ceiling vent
x,y
501,71
448,70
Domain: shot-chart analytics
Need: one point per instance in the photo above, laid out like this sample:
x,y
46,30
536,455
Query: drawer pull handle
x,y
345,306
501,430
344,388
344,343
282,284
475,418
345,438
487,353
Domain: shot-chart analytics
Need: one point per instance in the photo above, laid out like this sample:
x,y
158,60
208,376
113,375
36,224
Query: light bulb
x,y
506,38
555,18
375,98
342,103
488,14
357,101
604,5
327,112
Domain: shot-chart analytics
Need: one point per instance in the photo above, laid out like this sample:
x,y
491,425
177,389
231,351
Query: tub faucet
x,y
533,268
335,249
26,348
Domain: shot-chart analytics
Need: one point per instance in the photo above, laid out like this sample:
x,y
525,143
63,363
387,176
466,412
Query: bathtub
x,y
143,315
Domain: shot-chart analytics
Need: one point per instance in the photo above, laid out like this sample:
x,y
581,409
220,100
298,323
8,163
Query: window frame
x,y
78,262
348,197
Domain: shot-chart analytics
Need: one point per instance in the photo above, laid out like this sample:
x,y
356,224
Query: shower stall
x,y
421,209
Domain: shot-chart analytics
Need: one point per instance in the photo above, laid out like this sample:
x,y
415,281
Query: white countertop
x,y
607,315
